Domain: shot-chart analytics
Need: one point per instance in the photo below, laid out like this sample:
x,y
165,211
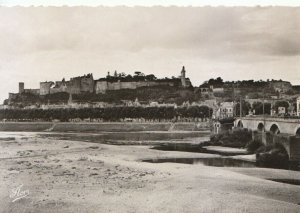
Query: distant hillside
x,y
165,94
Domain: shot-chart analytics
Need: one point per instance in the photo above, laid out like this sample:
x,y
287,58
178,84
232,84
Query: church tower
x,y
183,79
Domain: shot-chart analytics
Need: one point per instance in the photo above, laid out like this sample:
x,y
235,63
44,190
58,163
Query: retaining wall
x,y
98,127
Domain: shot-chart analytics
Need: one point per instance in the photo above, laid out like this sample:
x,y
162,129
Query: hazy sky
x,y
150,2
40,43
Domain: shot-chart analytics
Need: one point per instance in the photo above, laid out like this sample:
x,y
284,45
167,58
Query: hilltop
x,y
121,88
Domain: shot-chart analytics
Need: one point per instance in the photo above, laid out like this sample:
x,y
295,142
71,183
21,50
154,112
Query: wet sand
x,y
74,176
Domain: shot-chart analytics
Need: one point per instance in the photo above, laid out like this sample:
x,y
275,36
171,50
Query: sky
x,y
235,43
151,2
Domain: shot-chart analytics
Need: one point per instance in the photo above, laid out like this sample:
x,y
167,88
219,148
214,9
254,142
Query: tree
x,y
278,104
138,73
258,107
218,82
245,108
150,77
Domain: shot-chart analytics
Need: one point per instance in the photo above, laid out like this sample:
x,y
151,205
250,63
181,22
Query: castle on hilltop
x,y
118,82
87,84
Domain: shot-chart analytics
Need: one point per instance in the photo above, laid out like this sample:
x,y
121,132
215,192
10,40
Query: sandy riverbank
x,y
73,176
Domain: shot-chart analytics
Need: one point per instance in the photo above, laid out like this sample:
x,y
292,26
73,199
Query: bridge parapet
x,y
274,119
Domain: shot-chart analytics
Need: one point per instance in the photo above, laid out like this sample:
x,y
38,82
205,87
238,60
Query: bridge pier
x,y
265,137
256,135
289,142
295,148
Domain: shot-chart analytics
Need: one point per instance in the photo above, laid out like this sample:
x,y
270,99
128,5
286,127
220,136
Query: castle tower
x,y
21,87
183,79
45,87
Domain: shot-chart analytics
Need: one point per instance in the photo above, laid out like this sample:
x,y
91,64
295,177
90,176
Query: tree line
x,y
259,108
107,114
218,82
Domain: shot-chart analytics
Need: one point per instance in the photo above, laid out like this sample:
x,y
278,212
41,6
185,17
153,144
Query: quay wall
x,y
101,127
25,126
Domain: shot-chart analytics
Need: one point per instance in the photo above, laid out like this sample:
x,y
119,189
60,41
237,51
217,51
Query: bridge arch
x,y
260,127
274,129
240,124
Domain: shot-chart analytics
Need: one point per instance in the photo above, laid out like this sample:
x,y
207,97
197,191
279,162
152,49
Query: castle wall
x,y
87,84
32,91
73,86
59,87
45,88
123,85
128,85
12,96
57,90
80,85
103,86
114,86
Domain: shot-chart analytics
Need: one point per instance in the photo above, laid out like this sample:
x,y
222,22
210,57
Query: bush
x,y
237,139
253,146
273,156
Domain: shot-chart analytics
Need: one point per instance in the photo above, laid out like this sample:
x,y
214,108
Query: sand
x,y
73,176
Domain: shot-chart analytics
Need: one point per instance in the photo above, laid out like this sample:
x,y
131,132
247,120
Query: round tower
x,y
21,87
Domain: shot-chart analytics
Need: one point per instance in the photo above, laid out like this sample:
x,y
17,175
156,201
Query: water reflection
x,y
218,162
287,181
223,162
186,147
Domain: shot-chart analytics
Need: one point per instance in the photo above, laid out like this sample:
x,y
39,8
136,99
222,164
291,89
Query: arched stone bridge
x,y
272,124
271,129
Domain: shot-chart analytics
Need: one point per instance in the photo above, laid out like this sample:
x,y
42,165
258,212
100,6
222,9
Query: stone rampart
x,y
103,86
